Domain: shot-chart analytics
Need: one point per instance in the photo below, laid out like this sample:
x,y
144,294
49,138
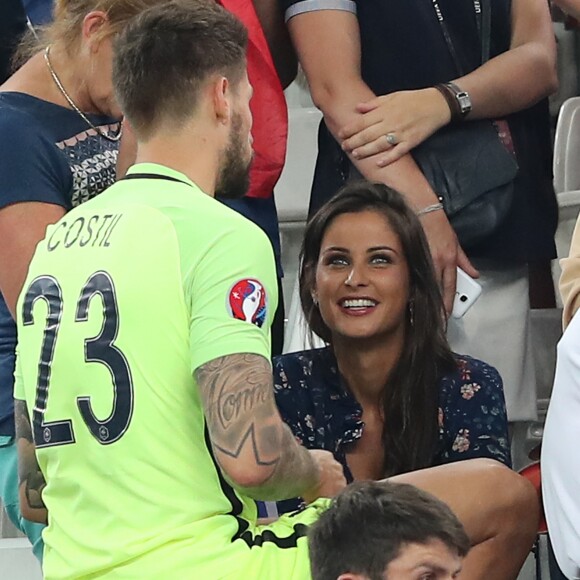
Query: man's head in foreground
x,y
387,531
179,71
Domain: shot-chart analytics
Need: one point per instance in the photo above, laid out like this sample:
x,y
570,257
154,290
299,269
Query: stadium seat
x,y
533,474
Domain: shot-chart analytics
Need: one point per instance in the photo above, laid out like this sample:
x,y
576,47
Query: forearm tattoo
x,y
29,473
244,423
240,408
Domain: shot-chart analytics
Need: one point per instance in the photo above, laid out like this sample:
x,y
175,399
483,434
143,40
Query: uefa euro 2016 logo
x,y
247,301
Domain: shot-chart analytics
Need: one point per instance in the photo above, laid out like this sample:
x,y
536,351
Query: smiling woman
x,y
386,395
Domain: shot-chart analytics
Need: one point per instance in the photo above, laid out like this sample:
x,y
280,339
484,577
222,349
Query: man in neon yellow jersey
x,y
146,422
148,309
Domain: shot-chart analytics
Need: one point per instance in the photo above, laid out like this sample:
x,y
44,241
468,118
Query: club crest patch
x,y
247,301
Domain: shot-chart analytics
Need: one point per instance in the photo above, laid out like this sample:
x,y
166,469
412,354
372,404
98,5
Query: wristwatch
x,y
462,99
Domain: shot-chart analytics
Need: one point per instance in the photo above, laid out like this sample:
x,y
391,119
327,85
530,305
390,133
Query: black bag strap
x,y
485,32
482,10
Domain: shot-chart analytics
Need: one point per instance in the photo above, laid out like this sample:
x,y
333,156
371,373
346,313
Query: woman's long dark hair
x,y
410,396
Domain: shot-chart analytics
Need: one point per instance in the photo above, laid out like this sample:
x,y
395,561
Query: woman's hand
x,y
447,255
408,117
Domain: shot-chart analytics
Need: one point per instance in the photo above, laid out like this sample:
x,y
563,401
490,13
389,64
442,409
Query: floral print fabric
x,y
324,415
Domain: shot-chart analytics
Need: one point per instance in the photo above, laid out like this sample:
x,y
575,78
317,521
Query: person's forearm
x,y
513,81
255,449
571,7
337,100
293,475
523,75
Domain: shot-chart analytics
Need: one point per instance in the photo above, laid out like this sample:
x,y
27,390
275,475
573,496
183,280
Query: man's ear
x,y
221,96
350,576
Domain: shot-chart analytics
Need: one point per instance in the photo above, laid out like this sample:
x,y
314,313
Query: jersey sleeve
x,y
232,294
294,7
473,414
31,166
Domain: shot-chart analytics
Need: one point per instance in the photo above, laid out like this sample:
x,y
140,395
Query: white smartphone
x,y
467,292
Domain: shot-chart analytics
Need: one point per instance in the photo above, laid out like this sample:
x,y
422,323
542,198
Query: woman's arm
x,y
523,75
510,82
22,226
328,47
571,7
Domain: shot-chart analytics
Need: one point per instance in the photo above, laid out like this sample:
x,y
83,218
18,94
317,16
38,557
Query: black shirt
x,y
403,48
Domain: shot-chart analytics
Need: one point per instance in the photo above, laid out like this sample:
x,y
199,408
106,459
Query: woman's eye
x,y
336,261
381,259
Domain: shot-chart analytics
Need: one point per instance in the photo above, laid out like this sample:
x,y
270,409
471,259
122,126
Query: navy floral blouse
x,y
324,415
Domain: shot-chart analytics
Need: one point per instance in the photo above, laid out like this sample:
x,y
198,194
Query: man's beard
x,y
234,176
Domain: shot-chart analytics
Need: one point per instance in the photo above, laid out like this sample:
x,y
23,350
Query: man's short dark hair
x,y
369,523
164,56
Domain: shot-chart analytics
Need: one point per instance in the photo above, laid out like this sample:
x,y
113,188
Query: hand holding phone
x,y
467,291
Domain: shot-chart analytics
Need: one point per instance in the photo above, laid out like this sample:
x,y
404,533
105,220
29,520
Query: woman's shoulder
x,y
20,114
472,414
466,367
29,124
468,377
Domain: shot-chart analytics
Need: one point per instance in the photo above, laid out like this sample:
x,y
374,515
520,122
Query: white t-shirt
x,y
561,456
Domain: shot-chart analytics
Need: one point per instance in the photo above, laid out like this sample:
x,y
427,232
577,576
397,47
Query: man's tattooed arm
x,y
31,480
255,449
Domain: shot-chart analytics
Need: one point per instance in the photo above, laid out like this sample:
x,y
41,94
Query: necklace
x,y
73,105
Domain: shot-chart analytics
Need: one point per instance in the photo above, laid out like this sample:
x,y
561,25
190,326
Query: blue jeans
x,y
9,495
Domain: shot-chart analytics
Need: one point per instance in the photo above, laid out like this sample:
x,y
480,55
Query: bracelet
x,y
452,103
430,208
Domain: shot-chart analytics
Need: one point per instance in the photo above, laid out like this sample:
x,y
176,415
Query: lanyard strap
x,y
483,22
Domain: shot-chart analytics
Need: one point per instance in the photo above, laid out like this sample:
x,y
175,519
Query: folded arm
x,y
524,74
328,47
509,82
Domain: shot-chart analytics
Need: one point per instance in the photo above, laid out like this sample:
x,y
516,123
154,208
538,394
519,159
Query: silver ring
x,y
391,139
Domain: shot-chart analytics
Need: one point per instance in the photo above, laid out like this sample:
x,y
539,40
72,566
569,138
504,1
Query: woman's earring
x,y
315,300
411,314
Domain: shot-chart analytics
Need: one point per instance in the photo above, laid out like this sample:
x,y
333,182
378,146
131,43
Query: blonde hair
x,y
67,23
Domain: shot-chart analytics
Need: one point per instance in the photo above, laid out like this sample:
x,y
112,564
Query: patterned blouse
x,y
324,415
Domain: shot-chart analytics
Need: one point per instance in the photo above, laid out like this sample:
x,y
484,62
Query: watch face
x,y
464,102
